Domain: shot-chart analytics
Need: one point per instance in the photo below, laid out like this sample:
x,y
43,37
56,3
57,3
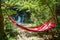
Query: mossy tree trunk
x,y
2,32
1,24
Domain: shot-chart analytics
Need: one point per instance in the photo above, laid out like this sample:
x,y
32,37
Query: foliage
x,y
41,11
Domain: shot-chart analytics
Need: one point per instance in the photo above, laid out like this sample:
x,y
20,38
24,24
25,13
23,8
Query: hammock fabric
x,y
40,28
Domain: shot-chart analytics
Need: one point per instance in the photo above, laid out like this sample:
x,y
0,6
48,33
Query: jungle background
x,y
35,12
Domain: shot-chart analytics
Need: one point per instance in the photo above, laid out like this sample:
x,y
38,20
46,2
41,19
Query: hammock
x,y
40,28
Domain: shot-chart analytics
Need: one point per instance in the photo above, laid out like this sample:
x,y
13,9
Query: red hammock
x,y
40,28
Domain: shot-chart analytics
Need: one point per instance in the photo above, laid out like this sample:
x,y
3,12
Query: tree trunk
x,y
2,32
1,24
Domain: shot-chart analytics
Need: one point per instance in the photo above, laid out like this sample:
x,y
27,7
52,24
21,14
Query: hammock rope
x,y
40,28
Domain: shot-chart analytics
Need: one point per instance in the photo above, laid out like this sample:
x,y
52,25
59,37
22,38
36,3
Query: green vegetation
x,y
41,11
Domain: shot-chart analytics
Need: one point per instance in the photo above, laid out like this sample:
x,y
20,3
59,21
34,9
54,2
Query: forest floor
x,y
28,36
